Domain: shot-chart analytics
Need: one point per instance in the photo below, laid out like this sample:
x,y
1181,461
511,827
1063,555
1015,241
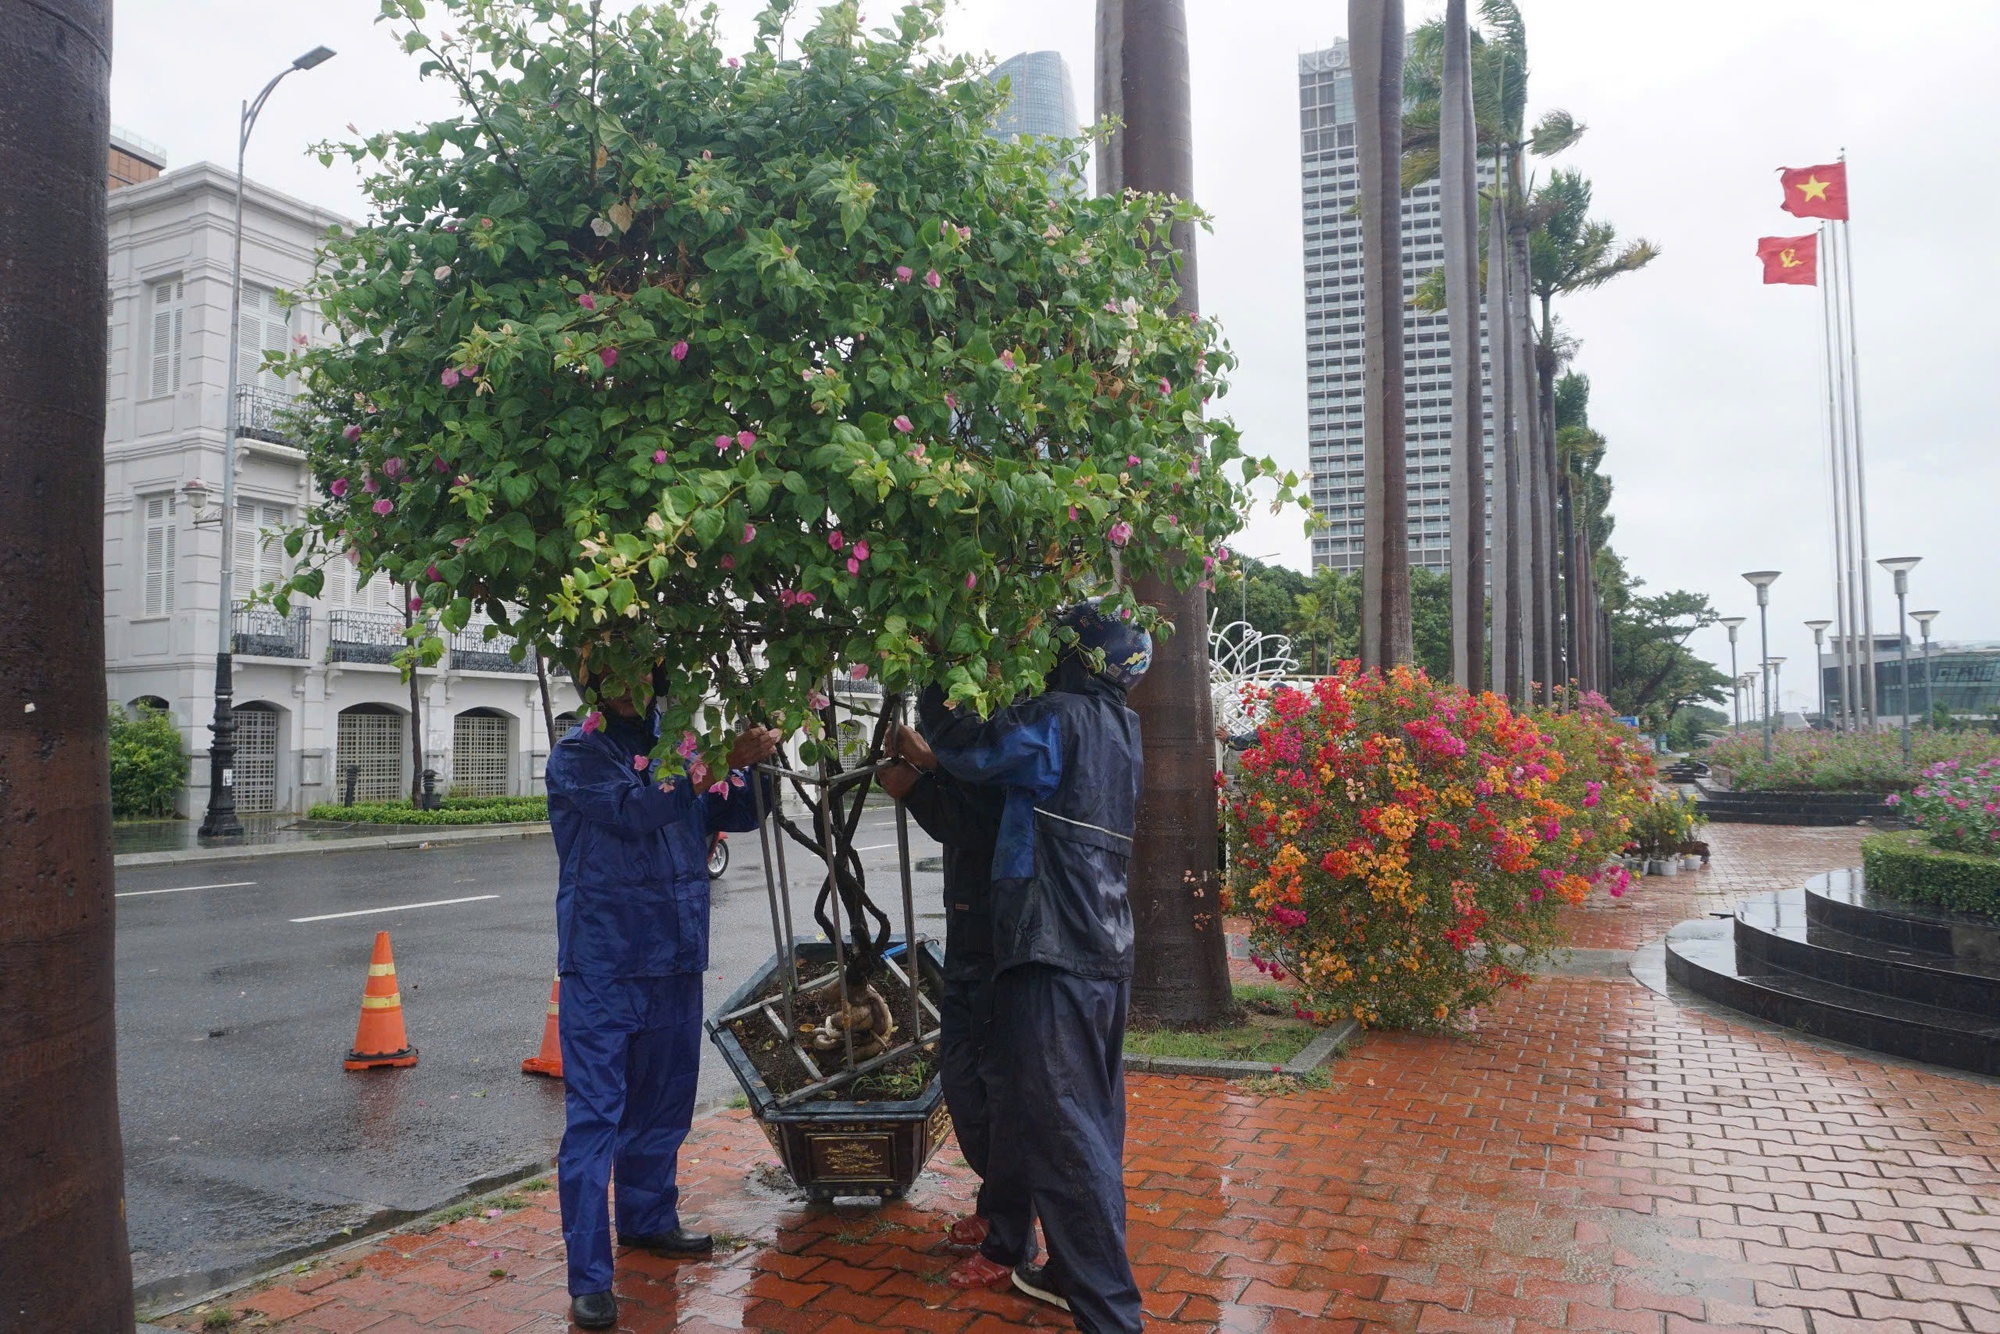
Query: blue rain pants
x,y
631,1051
965,1013
1057,1131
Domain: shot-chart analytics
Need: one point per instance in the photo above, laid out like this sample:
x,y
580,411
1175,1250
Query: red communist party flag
x,y
1816,192
1790,259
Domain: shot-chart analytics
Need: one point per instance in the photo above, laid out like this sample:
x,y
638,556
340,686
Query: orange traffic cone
x,y
550,1061
379,1039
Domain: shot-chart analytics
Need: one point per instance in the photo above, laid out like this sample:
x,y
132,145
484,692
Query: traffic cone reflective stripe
x,y
549,1062
379,1039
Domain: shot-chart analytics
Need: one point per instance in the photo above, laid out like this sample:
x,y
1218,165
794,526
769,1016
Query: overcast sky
x,y
1704,381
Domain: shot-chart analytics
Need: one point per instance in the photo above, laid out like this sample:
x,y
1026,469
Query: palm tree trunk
x,y
1506,620
1375,29
1529,529
1460,188
1181,974
63,1257
1552,488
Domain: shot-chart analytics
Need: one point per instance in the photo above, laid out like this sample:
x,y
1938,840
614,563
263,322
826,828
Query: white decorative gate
x,y
373,744
256,760
479,755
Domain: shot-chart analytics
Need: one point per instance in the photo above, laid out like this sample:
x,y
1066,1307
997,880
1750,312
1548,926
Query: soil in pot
x,y
900,1079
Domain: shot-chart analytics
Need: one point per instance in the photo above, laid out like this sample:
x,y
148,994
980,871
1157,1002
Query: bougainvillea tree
x,y
1404,848
757,370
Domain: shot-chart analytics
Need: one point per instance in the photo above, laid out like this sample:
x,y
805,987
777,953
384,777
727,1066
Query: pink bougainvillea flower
x,y
338,487
593,721
460,542
729,562
971,580
416,604
1194,468
932,281
916,451
1072,514
861,550
353,556
384,505
853,565
904,273
721,443
951,400
609,356
749,533
1222,553
1007,360
468,370
587,301
392,468
1124,613
1131,460
688,746
697,773
439,465
719,789
859,671
836,540
351,434
642,762
734,62
659,456
1120,533
448,377
1208,565
370,485
431,574
1165,388
680,351
965,233
817,699
902,424
745,439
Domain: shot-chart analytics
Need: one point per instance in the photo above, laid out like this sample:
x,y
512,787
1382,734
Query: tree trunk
x,y
1506,524
548,705
1529,528
416,714
1375,30
1181,975
1460,189
63,1257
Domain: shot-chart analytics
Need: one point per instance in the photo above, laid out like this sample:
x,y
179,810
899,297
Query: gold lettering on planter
x,y
850,1157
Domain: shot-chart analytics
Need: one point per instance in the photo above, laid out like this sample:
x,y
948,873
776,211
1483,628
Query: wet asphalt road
x,y
244,1138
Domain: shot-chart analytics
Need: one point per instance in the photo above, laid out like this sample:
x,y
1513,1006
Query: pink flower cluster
x,y
788,597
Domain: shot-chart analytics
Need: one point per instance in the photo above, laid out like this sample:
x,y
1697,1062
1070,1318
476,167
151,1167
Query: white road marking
x,y
401,907
876,847
182,889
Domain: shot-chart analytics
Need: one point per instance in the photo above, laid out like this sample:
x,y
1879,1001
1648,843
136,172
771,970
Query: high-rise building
x,y
1334,351
1041,98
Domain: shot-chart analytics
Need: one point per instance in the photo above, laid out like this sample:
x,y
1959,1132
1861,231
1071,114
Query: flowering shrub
x,y
1958,805
1843,761
1402,847
765,366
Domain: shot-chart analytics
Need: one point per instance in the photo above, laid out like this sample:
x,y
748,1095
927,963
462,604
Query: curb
x,y
1316,1054
415,838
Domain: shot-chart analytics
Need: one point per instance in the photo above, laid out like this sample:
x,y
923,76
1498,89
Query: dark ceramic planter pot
x,y
833,1148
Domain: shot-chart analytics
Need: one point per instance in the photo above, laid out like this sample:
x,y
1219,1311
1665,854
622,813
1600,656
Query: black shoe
x,y
593,1310
680,1244
1041,1283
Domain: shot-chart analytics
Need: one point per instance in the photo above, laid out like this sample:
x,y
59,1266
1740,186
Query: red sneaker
x,y
976,1271
968,1231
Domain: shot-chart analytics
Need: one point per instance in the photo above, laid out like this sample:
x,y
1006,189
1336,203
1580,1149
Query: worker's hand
x,y
754,744
907,745
898,780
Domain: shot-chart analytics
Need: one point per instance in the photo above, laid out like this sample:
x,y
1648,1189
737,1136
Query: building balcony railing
x,y
472,651
261,414
363,636
260,632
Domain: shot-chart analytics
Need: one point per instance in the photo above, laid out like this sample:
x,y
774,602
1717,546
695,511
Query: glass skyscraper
x,y
1041,99
1334,333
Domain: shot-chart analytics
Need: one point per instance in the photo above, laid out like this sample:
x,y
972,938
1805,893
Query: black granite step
x,y
1776,932
1702,956
1727,806
1841,901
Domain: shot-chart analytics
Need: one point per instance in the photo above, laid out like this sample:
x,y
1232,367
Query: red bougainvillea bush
x,y
1403,847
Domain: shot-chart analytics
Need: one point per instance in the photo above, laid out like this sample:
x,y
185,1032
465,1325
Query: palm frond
x,y
1554,132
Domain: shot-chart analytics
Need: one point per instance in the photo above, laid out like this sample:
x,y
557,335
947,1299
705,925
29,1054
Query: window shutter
x,y
164,372
271,545
158,583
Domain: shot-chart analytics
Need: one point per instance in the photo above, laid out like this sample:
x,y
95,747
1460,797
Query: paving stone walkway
x,y
1596,1158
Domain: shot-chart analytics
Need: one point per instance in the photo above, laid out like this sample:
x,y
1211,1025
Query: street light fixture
x,y
1900,566
1730,623
1924,619
220,820
1819,672
1762,580
1777,684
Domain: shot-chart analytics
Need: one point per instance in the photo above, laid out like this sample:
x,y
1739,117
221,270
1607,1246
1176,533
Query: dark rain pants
x,y
1057,1136
965,1013
631,1051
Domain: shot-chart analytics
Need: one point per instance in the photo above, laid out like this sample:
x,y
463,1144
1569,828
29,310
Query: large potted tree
x,y
756,372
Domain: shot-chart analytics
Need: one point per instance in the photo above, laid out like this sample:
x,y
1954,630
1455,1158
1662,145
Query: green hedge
x,y
1907,866
149,764
457,810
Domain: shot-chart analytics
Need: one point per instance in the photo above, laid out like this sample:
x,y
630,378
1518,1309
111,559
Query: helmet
x,y
1128,650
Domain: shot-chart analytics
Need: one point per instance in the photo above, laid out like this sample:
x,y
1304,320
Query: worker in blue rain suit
x,y
631,946
1070,762
965,819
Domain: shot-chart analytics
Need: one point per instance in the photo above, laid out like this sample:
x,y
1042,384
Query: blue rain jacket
x,y
1070,762
632,898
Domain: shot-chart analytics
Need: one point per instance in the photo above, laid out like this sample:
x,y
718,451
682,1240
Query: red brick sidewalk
x,y
1597,1159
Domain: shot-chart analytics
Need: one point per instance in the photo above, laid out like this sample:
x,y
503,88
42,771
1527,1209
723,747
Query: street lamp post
x,y
1730,623
1819,672
220,821
1924,619
1900,566
1762,580
1778,686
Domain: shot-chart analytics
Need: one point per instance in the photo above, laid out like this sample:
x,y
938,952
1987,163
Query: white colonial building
x,y
316,698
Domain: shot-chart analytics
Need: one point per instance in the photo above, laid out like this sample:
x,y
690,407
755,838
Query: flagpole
x,y
1860,466
1853,572
1835,503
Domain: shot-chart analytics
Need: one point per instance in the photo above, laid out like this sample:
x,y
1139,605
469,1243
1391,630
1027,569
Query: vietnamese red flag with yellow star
x,y
1790,259
1816,192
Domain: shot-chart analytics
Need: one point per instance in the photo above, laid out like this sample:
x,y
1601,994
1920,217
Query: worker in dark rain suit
x,y
1070,762
631,946
965,818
